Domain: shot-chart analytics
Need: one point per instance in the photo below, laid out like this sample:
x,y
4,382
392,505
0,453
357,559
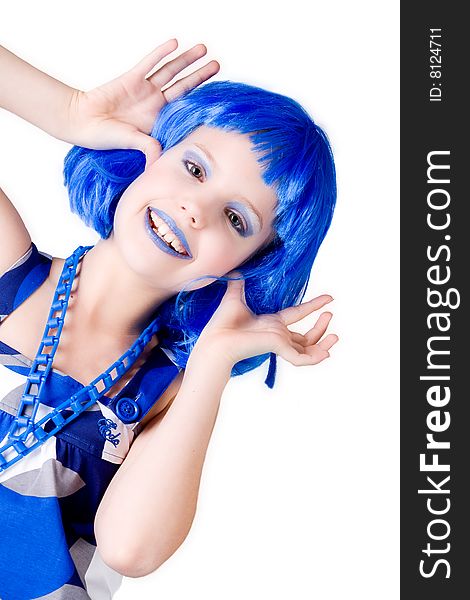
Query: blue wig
x,y
296,160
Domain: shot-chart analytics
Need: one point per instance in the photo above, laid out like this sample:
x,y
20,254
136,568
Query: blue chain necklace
x,y
25,434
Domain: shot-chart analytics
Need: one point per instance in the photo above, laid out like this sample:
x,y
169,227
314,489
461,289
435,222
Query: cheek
x,y
221,254
145,188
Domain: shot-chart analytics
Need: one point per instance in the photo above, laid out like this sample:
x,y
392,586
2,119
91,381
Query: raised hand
x,y
121,113
237,333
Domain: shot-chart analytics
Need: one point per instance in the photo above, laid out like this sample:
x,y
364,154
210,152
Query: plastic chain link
x,y
20,443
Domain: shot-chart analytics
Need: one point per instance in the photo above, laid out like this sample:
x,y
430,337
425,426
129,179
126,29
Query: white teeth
x,y
166,234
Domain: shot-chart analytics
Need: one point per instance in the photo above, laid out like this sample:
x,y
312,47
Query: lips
x,y
166,234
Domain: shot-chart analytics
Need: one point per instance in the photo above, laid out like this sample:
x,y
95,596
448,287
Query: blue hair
x,y
296,160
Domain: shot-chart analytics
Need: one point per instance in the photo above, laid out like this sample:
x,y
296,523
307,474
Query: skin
x,y
203,207
202,201
120,112
156,487
210,209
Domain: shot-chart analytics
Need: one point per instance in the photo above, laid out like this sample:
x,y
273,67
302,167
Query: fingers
x,y
127,137
302,350
328,342
296,313
298,347
300,355
151,148
301,359
298,338
301,342
148,62
145,143
166,73
317,331
191,81
313,335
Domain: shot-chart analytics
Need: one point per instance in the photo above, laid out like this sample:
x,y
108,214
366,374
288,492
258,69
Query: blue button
x,y
127,410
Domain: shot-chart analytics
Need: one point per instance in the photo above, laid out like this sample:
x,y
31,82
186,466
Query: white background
x,y
299,496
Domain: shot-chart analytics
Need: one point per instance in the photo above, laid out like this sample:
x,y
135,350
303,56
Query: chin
x,y
197,285
141,261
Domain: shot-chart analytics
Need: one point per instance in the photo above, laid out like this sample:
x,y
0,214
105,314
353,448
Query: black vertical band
x,y
435,345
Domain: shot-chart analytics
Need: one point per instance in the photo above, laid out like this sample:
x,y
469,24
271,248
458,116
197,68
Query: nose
x,y
195,212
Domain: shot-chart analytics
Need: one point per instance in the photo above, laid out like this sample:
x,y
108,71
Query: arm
x,y
43,101
34,95
148,509
14,237
118,114
157,486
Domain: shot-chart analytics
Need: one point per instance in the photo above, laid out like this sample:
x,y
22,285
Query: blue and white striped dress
x,y
48,499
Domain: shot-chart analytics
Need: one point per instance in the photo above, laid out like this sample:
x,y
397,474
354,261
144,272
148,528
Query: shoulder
x,y
159,410
26,273
15,239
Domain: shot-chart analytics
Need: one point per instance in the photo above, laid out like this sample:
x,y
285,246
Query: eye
x,y
195,170
236,221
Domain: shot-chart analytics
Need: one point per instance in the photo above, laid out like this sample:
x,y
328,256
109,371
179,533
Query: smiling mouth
x,y
166,234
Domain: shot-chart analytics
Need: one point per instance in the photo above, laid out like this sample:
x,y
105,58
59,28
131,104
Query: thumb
x,y
235,287
149,146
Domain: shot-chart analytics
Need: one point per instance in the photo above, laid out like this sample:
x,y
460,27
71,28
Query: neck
x,y
110,299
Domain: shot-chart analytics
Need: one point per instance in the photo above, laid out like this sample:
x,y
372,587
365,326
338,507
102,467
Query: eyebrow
x,y
214,163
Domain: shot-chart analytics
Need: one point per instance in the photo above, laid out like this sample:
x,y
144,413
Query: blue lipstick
x,y
174,228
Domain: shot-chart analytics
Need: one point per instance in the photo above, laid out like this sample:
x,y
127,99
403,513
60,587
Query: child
x,y
104,434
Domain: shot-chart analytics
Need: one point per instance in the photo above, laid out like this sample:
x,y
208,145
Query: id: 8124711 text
x,y
435,65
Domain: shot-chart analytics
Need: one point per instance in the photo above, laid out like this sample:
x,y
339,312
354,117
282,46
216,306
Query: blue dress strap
x,y
22,279
138,396
145,388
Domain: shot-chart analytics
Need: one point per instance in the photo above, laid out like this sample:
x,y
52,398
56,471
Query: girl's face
x,y
206,197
